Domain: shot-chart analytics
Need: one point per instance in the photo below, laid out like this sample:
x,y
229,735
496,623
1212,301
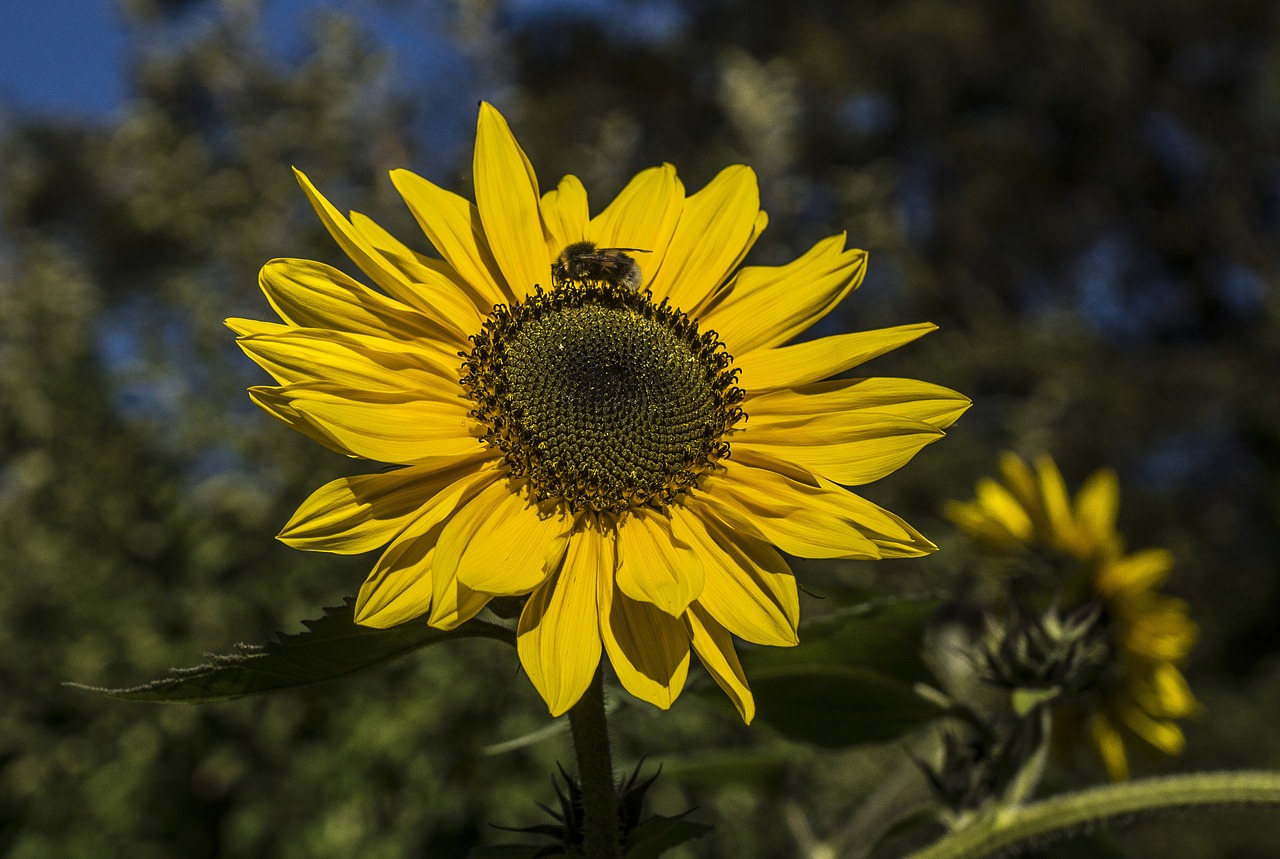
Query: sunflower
x,y
1150,633
563,393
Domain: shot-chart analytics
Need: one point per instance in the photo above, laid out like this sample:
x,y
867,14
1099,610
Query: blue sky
x,y
66,57
61,56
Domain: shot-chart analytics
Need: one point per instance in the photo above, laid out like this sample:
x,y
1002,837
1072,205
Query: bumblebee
x,y
583,262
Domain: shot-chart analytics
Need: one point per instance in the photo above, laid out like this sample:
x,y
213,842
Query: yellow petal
x,y
790,366
441,294
851,448
558,637
906,398
1057,505
888,531
768,305
507,197
1161,690
648,648
501,544
715,650
1022,483
1161,733
1000,505
401,586
360,513
388,427
565,213
748,586
453,226
655,565
357,362
1141,571
1110,746
362,253
1158,627
976,521
314,295
801,519
715,231
644,216
280,407
1097,503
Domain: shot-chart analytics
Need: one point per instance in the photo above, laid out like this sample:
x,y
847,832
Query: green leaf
x,y
331,647
836,706
753,766
884,635
659,834
851,680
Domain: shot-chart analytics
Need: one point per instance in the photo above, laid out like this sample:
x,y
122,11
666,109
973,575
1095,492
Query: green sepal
x,y
851,680
331,647
1026,699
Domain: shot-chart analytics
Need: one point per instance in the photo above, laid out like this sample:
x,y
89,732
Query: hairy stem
x,y
1062,815
595,770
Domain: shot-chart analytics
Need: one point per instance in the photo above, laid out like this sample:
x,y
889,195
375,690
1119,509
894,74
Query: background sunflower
x,y
1141,692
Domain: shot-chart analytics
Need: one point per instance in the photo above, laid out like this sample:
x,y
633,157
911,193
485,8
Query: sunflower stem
x,y
1061,816
590,728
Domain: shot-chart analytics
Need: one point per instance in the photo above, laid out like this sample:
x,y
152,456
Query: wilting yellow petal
x,y
558,637
1161,690
767,369
1158,627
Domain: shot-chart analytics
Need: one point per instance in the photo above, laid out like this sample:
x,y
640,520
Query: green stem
x,y
595,771
1061,815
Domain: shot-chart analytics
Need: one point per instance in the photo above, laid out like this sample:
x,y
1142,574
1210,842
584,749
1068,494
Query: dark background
x,y
1083,194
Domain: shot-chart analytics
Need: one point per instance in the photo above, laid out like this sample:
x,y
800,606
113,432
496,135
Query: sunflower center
x,y
600,397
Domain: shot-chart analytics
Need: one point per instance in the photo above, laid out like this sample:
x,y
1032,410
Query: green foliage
x,y
850,680
332,647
